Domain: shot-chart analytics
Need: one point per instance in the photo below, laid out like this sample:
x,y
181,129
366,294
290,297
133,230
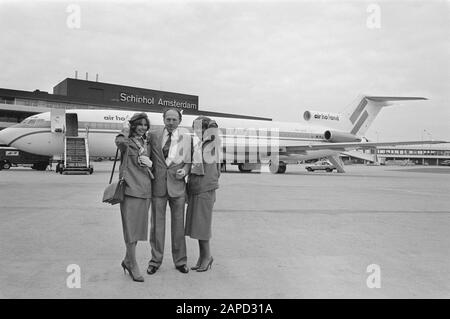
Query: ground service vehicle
x,y
321,165
10,156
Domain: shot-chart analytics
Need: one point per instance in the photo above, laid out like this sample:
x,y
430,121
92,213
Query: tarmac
x,y
373,232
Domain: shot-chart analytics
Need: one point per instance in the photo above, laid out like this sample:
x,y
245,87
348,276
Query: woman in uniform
x,y
202,184
135,169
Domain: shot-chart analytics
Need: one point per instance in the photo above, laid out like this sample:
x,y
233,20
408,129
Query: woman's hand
x,y
145,160
180,173
126,128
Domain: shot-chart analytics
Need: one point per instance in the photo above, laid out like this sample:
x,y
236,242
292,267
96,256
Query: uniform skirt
x,y
199,215
134,213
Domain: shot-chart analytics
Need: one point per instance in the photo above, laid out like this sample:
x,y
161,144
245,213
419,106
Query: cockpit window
x,y
33,122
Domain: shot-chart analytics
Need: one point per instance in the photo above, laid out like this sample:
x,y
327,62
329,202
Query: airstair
x,y
76,149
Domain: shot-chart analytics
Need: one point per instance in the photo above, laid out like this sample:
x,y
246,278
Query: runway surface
x,y
295,235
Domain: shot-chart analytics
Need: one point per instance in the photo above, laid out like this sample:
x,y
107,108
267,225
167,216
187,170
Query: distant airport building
x,y
420,155
433,154
16,105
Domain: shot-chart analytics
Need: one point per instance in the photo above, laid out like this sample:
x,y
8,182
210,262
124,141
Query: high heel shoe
x,y
197,266
125,267
209,265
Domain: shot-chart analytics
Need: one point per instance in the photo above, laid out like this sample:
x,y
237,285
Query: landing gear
x,y
277,168
242,168
248,167
282,168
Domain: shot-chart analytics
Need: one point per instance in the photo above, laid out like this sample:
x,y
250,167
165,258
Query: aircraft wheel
x,y
329,170
241,168
274,167
282,168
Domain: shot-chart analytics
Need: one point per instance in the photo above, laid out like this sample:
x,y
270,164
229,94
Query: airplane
x,y
245,142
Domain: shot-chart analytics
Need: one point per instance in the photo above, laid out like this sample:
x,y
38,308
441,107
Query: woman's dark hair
x,y
136,120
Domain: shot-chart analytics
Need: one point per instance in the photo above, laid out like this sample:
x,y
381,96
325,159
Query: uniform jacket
x,y
165,182
204,183
137,178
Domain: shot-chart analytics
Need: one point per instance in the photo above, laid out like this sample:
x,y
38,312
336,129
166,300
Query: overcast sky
x,y
273,59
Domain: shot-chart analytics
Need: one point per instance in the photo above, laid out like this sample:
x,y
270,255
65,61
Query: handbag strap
x,y
114,166
124,160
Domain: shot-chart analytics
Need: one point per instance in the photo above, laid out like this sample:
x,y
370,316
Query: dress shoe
x,y
151,269
183,268
137,278
208,265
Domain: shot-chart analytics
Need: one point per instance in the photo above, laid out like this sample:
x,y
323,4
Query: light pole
x,y
429,134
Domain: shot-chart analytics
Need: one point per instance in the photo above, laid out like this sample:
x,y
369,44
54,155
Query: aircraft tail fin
x,y
368,107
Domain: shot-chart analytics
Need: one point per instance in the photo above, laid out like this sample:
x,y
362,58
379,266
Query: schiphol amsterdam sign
x,y
159,101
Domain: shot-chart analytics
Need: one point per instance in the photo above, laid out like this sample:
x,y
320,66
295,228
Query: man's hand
x,y
144,160
181,173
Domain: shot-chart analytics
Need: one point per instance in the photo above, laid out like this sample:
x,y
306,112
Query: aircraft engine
x,y
340,137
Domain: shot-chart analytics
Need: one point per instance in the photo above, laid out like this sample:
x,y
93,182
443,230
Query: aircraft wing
x,y
351,145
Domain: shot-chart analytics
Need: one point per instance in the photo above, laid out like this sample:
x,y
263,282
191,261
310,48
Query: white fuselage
x,y
34,134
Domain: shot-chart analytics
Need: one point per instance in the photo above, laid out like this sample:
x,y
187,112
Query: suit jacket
x,y
137,178
165,182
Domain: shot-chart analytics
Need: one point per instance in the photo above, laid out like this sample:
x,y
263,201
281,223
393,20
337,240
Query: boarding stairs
x,y
76,149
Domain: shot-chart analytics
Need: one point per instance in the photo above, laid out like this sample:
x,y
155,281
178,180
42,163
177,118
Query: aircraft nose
x,y
6,136
2,137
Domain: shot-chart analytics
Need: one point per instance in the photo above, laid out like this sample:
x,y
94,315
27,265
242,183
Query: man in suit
x,y
170,154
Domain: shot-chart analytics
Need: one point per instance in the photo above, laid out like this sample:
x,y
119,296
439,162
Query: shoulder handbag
x,y
114,193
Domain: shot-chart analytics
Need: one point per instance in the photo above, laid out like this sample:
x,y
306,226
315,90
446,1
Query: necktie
x,y
166,146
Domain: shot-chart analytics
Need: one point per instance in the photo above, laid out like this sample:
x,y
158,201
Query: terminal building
x,y
432,154
436,154
16,105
